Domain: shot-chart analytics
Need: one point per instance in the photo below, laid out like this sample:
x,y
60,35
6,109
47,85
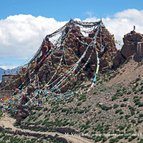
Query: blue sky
x,y
24,23
66,9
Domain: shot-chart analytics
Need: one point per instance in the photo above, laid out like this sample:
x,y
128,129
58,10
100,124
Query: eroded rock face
x,y
72,47
130,44
118,60
106,57
130,49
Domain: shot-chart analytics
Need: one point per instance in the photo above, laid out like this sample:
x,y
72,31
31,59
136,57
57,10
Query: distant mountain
x,y
1,73
12,71
8,71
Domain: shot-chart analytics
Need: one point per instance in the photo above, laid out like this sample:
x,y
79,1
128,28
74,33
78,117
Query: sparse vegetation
x,y
0,113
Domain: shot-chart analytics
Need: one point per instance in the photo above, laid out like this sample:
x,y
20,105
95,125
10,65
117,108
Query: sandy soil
x,y
128,73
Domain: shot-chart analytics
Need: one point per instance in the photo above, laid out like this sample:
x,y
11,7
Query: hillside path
x,y
8,122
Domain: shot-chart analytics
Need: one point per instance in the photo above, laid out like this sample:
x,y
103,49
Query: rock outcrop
x,y
131,41
72,58
132,48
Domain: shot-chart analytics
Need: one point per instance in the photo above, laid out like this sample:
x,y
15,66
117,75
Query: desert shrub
x,y
114,97
131,138
120,92
133,121
123,105
127,116
129,92
140,104
97,138
115,106
136,100
140,121
79,111
113,140
125,99
84,126
140,115
141,141
82,97
121,127
1,113
105,107
120,111
79,103
132,110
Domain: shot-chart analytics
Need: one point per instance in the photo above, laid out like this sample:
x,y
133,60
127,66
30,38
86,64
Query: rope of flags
x,y
64,77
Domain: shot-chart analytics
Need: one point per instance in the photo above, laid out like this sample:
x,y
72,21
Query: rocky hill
x,y
114,106
111,112
61,91
68,56
132,48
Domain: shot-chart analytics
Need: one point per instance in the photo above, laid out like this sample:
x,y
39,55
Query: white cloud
x,y
122,23
21,35
89,14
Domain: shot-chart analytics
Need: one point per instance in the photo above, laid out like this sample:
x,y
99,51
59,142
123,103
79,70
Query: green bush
x,y
140,115
132,110
140,104
136,100
82,97
125,99
114,97
1,113
113,140
127,116
105,107
85,126
120,92
115,106
121,127
120,137
126,136
131,138
120,111
98,138
79,111
140,121
133,121
141,141
123,105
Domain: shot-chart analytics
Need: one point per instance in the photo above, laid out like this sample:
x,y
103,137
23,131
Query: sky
x,y
24,23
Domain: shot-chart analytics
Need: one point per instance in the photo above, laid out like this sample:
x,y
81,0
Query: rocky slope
x,y
110,112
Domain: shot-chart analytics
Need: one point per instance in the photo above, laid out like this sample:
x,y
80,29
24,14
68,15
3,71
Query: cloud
x,y
122,22
89,14
21,35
